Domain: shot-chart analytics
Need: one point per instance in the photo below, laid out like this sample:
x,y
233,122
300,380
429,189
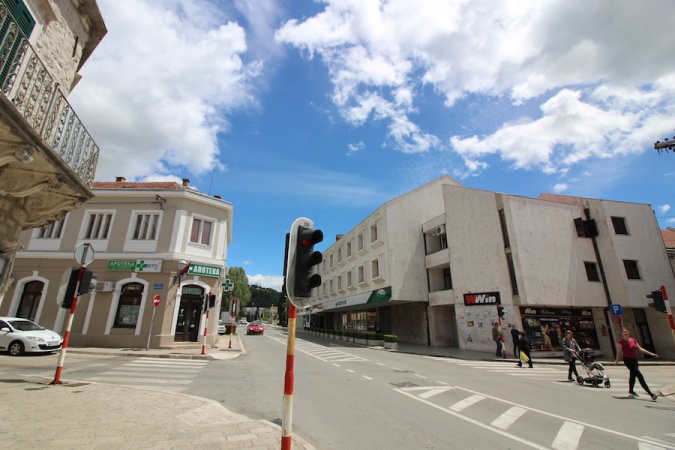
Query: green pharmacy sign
x,y
204,270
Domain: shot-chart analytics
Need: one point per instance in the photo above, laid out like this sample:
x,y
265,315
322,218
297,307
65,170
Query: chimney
x,y
186,182
120,179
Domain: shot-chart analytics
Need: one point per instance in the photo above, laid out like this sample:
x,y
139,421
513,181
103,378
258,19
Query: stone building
x,y
47,157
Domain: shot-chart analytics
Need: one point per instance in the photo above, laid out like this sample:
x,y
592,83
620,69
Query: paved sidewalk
x,y
84,415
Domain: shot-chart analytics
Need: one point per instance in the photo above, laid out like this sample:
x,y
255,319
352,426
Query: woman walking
x,y
628,347
570,349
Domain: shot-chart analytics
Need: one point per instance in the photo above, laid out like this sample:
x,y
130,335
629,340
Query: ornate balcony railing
x,y
26,82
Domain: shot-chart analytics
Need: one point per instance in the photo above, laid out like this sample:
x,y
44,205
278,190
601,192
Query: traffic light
x,y
305,259
659,303
83,288
500,311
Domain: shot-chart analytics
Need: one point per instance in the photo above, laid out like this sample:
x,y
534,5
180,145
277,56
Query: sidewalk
x,y
84,415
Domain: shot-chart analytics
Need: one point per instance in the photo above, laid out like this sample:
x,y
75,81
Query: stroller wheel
x,y
607,384
580,379
595,383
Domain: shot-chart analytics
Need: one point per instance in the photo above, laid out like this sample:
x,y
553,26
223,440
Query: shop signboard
x,y
138,265
483,298
204,270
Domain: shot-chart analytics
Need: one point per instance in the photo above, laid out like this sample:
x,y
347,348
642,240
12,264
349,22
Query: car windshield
x,y
24,325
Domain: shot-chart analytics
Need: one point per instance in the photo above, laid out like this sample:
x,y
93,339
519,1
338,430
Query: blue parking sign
x,y
616,310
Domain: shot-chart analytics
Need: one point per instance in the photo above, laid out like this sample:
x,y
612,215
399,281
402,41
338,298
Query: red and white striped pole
x,y
234,308
668,309
206,322
287,412
69,325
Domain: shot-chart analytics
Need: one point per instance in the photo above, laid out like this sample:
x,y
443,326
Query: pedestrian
x,y
515,335
628,347
524,347
497,337
570,354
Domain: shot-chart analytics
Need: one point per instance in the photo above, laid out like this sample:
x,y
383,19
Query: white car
x,y
19,336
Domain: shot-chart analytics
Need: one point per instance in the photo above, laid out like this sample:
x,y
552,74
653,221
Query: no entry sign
x,y
155,301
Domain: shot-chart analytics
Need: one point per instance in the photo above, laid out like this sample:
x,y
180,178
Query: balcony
x,y
47,157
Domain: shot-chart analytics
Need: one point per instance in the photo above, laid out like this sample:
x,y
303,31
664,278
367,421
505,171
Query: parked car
x,y
255,328
222,329
19,336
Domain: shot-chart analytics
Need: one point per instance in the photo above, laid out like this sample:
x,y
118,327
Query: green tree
x,y
241,291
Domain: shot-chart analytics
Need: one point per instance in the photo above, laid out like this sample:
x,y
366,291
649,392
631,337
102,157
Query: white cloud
x,y
354,148
664,209
267,281
603,73
560,187
157,90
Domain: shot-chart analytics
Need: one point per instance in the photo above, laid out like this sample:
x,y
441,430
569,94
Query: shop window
x,y
592,271
129,305
30,300
98,226
145,228
201,231
52,230
632,271
620,225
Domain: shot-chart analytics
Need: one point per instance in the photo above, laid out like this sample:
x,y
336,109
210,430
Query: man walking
x,y
497,337
515,335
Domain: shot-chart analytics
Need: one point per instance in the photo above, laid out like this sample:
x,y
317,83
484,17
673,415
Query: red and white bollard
x,y
287,411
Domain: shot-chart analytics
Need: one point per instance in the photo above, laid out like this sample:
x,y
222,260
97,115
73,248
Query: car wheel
x,y
16,348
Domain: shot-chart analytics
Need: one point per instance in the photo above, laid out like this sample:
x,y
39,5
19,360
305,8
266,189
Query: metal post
x,y
206,323
234,307
147,346
69,325
287,412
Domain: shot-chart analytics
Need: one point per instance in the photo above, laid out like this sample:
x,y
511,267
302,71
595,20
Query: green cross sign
x,y
228,285
140,265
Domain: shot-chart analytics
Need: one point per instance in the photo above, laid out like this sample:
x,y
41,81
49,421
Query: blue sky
x,y
328,109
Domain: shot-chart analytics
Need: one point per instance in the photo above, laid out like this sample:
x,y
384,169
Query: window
x,y
26,23
512,273
632,271
98,226
362,275
505,233
375,268
349,249
146,227
52,230
373,234
349,279
129,305
339,282
447,278
360,243
592,271
330,258
201,232
339,255
30,300
619,225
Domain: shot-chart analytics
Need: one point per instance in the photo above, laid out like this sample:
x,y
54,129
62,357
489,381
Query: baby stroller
x,y
595,372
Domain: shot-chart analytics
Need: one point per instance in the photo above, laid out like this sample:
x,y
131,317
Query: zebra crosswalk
x,y
557,374
159,373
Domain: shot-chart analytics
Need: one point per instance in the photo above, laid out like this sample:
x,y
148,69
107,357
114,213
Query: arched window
x,y
129,305
30,300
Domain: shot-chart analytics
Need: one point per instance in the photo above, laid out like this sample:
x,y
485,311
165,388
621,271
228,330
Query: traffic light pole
x,y
69,325
287,411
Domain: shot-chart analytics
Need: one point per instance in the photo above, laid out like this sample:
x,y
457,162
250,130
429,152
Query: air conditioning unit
x,y
440,230
104,286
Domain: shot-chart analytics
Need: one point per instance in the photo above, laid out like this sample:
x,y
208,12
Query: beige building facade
x,y
142,234
432,266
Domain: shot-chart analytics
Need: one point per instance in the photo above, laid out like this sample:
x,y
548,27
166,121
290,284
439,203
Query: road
x,y
358,398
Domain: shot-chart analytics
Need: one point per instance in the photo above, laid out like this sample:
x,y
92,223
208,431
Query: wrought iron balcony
x,y
37,96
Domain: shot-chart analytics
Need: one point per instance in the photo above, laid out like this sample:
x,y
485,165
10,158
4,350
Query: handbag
x,y
524,357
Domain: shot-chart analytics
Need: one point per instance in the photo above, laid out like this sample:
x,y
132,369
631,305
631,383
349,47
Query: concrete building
x,y
142,234
47,157
433,265
669,241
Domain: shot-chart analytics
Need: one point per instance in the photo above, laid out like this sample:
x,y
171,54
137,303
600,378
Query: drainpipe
x,y
587,213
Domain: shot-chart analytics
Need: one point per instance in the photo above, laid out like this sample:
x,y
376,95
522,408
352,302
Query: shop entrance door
x,y
189,316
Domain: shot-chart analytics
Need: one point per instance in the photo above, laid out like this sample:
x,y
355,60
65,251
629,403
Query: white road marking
x,y
507,419
463,404
568,436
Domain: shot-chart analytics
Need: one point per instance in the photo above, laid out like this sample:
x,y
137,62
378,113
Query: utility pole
x,y
666,145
